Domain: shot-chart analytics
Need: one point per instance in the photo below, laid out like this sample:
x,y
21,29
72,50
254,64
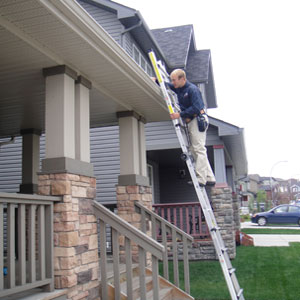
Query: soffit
x,y
38,34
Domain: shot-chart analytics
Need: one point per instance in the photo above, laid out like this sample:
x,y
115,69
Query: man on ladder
x,y
193,113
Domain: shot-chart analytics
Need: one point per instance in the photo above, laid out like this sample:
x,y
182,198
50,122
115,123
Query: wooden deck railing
x,y
26,243
171,233
131,235
186,216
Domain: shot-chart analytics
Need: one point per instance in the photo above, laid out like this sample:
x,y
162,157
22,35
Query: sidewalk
x,y
271,240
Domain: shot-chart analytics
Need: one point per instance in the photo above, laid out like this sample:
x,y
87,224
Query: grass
x,y
270,231
265,273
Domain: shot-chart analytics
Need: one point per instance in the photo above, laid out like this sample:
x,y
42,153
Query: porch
x,y
28,256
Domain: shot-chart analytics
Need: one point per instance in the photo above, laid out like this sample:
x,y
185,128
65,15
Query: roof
x,y
175,43
198,64
233,138
133,20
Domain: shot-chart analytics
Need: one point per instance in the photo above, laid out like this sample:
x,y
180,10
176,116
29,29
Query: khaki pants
x,y
203,169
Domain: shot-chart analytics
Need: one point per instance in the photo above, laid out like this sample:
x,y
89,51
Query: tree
x,y
261,199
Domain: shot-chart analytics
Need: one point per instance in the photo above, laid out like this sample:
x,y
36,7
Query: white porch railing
x,y
131,235
26,243
168,233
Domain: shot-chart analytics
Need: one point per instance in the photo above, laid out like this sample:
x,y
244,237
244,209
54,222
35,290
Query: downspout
x,y
12,140
127,30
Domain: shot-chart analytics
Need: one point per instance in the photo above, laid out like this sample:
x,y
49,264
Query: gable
x,y
175,43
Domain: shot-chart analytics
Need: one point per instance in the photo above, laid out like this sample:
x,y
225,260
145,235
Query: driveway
x,y
271,240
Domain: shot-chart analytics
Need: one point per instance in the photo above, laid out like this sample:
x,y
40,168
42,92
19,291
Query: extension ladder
x,y
162,76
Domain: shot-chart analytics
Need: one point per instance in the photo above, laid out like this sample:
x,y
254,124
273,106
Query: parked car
x,y
281,214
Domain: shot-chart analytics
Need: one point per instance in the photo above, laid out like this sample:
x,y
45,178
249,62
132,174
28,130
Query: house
x,y
75,92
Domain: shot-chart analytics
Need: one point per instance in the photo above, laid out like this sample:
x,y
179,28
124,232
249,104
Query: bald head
x,y
178,78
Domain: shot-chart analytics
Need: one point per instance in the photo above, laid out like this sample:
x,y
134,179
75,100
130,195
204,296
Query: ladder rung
x,y
231,271
215,229
239,294
224,249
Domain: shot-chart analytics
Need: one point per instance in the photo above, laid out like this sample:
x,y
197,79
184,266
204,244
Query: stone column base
x,y
76,262
126,196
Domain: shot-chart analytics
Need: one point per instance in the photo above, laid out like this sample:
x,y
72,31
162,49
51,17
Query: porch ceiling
x,y
36,34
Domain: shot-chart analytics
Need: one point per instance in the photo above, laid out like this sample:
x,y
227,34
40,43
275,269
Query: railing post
x,y
128,269
21,245
186,266
116,254
11,246
31,243
155,277
165,256
41,242
175,258
49,247
142,275
103,262
1,248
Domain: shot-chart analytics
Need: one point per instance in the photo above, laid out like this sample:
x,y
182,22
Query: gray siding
x,y
11,166
105,156
161,135
106,19
175,189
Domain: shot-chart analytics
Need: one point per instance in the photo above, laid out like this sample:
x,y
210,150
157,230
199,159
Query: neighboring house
x,y
75,90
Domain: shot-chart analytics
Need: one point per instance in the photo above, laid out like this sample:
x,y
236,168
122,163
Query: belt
x,y
188,120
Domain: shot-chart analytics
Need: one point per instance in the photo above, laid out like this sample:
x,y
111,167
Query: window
x,y
150,174
136,55
141,61
294,209
281,209
151,180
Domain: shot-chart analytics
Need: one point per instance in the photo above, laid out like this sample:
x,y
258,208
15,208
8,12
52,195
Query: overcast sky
x,y
256,62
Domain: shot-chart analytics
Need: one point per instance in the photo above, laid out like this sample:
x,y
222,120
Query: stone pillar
x,y
222,203
219,164
30,160
133,184
126,196
76,264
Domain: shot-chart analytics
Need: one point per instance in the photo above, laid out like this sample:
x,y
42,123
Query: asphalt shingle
x,y
174,42
197,69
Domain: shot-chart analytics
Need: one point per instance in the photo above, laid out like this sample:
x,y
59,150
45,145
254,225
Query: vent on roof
x,y
168,30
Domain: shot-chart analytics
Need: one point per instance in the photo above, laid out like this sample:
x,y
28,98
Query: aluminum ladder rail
x,y
235,291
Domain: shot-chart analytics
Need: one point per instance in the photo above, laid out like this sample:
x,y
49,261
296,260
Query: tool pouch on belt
x,y
202,122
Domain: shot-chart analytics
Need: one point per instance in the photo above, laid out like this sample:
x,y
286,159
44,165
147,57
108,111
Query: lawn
x,y
270,231
265,273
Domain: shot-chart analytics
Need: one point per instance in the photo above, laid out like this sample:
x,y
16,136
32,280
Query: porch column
x,y
62,156
82,119
132,149
219,164
133,184
30,160
67,172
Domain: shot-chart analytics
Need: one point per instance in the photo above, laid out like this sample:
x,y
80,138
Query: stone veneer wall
x,y
76,265
126,196
222,204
